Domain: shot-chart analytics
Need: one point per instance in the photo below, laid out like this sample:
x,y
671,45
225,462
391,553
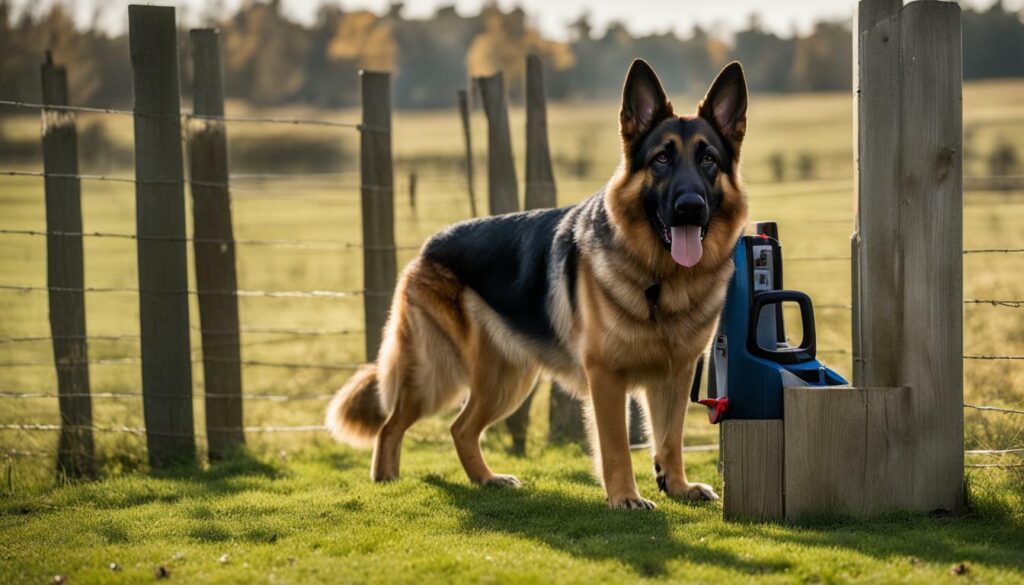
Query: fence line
x,y
27,395
135,181
137,360
275,294
186,115
143,431
283,243
993,409
993,451
252,330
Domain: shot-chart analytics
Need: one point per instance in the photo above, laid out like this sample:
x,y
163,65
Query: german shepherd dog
x,y
619,293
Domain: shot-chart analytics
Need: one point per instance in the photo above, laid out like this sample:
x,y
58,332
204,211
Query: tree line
x,y
271,60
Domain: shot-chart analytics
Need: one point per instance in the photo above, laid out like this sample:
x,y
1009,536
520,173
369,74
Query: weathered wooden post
x,y
565,418
893,441
378,202
160,215
503,197
214,248
467,137
64,275
540,178
909,302
502,186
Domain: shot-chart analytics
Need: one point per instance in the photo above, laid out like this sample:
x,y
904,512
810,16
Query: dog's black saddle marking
x,y
505,260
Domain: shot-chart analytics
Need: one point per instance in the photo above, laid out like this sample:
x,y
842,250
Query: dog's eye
x,y
707,159
661,159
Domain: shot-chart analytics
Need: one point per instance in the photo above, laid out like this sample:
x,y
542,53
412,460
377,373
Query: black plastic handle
x,y
795,355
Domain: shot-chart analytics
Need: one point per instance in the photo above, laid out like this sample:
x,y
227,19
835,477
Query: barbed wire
x,y
277,294
349,188
138,360
282,243
30,395
994,251
999,409
242,329
996,465
186,115
993,357
993,451
144,431
1011,303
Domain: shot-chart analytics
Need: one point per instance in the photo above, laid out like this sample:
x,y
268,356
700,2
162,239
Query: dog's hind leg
x,y
666,407
388,450
497,388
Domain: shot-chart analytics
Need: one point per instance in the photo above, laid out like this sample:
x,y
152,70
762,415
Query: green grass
x,y
317,499
315,517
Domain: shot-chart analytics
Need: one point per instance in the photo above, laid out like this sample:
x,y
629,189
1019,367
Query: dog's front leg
x,y
608,394
666,405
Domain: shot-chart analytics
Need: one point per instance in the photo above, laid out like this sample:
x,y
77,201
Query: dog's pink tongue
x,y
686,245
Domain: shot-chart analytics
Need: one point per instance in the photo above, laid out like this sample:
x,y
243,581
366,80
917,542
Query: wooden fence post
x,y
565,417
467,138
502,186
378,202
64,270
214,247
540,179
163,258
503,197
910,224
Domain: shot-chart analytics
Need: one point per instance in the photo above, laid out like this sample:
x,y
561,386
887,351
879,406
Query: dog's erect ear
x,y
643,102
725,104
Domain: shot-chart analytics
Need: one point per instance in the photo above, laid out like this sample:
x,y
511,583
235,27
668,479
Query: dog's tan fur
x,y
443,342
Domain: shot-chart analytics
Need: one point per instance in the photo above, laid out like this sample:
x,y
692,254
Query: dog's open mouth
x,y
684,242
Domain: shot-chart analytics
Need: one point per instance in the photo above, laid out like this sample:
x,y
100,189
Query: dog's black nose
x,y
690,208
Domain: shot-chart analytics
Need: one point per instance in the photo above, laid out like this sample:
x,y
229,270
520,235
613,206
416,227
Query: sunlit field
x,y
804,140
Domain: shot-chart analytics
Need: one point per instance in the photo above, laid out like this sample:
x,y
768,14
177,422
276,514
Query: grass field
x,y
331,524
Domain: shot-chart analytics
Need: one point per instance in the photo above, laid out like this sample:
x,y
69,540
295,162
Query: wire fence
x,y
338,187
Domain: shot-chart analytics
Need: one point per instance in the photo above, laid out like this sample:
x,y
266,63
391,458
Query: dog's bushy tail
x,y
355,414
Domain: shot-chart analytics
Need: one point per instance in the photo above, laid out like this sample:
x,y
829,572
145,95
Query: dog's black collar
x,y
653,293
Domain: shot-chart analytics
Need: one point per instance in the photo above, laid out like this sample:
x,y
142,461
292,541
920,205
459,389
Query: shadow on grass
x,y
642,541
972,539
235,473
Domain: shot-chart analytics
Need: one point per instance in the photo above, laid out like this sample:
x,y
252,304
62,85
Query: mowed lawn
x,y
297,509
314,517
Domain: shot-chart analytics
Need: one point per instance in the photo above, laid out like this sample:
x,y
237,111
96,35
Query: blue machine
x,y
751,358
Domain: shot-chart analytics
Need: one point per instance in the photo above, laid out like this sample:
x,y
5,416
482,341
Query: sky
x,y
784,17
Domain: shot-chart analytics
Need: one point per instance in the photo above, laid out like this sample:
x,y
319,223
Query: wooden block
x,y
848,451
752,452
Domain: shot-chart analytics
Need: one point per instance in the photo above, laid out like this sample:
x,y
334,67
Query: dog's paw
x,y
632,503
696,492
502,481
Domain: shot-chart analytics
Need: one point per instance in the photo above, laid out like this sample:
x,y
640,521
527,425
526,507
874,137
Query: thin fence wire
x,y
186,115
117,361
994,409
993,451
143,431
30,395
352,188
281,243
243,329
277,294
